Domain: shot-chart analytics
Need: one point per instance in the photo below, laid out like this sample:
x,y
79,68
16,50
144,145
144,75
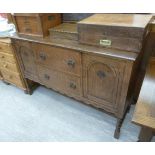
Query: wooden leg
x,y
145,135
118,127
28,92
128,109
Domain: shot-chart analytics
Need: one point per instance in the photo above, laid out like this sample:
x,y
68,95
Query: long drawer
x,y
5,47
12,77
8,66
7,57
59,81
61,59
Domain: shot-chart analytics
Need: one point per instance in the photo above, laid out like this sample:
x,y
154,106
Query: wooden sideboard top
x,y
145,109
72,44
123,20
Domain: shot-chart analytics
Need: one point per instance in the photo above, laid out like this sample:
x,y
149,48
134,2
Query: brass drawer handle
x,y
50,18
42,56
100,74
5,66
71,63
47,77
72,85
2,56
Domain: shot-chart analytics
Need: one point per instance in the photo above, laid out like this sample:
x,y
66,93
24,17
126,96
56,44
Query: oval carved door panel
x,y
102,80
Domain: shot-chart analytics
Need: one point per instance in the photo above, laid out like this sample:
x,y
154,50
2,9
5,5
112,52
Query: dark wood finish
x,y
24,49
97,72
118,31
144,114
65,60
102,77
147,51
64,31
51,62
74,17
36,24
65,83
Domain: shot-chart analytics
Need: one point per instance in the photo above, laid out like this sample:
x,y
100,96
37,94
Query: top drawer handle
x,y
71,63
51,17
42,56
47,77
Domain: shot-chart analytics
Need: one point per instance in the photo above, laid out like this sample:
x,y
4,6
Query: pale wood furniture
x,y
9,68
103,77
144,114
1,76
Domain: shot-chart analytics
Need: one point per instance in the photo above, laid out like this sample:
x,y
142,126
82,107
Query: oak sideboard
x,y
104,77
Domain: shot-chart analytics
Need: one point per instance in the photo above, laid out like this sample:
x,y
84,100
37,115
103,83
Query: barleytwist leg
x,y
118,126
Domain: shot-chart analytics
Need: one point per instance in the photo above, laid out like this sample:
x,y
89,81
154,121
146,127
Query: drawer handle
x,y
51,18
2,56
42,56
5,66
72,85
100,74
71,63
47,77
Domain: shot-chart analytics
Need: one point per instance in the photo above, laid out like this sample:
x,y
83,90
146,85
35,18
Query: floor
x,y
49,116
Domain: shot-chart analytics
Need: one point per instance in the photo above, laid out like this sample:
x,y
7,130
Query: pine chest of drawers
x,y
9,66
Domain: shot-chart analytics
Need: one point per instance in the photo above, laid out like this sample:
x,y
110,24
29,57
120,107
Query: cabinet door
x,y
26,55
102,80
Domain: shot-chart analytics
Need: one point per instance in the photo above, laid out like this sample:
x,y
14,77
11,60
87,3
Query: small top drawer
x,y
27,25
36,24
5,47
61,59
7,58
